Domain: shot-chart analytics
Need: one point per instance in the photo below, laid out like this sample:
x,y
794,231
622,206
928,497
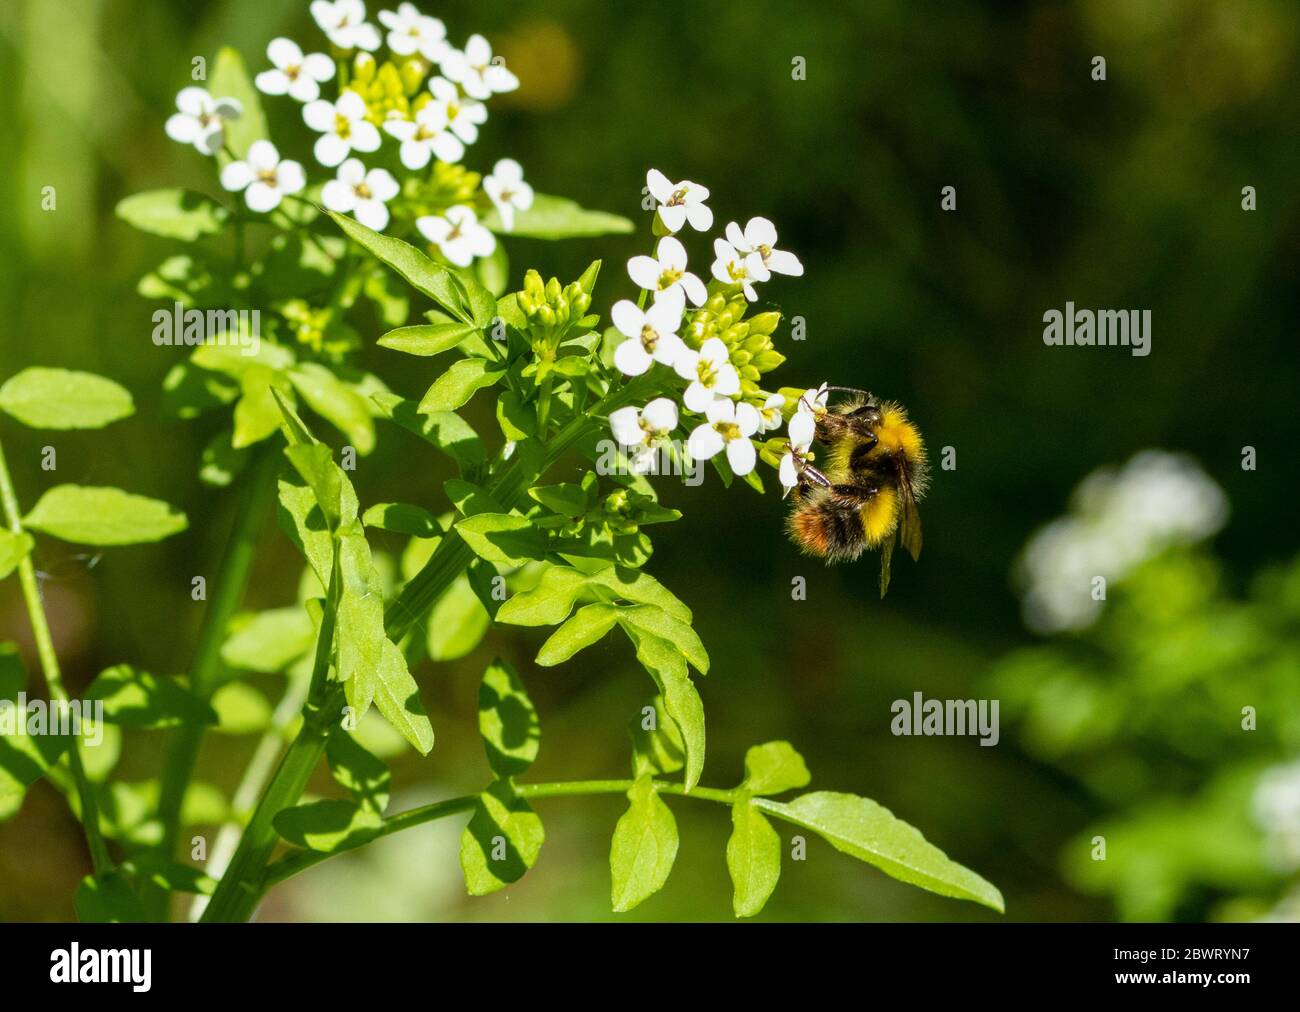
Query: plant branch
x,y
99,856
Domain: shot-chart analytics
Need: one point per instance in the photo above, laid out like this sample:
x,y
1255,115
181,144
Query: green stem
x,y
183,749
300,860
99,856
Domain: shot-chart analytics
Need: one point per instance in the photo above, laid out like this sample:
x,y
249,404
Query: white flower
x,y
202,119
711,374
424,137
474,69
802,428
344,21
463,115
666,272
729,427
814,399
758,244
458,235
361,194
680,202
641,427
731,268
508,191
651,336
295,75
770,413
409,32
263,177
343,127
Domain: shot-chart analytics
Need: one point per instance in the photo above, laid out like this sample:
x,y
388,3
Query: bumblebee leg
x,y
857,493
814,476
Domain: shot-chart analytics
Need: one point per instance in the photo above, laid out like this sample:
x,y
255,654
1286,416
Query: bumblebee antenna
x,y
853,390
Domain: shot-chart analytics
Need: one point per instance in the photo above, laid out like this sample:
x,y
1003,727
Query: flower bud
x,y
764,323
740,358
734,335
717,301
547,315
533,286
553,290
768,360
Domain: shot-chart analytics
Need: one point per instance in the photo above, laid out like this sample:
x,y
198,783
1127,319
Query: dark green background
x,y
1117,194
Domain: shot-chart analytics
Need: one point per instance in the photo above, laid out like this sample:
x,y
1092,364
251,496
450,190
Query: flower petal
x,y
644,271
704,442
660,414
741,456
625,424
627,318
631,358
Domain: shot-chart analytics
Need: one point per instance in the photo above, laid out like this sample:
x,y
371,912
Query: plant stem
x,y
99,856
183,750
300,860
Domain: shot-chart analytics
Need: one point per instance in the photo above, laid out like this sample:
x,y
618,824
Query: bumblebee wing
x,y
910,523
886,557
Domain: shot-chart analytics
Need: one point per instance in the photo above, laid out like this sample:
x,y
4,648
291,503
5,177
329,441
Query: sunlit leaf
x,y
643,849
64,399
507,721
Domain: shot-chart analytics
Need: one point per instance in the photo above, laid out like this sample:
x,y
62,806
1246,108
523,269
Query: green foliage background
x,y
1117,194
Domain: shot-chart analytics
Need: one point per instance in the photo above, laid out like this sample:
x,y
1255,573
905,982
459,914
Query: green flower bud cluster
x,y
318,328
749,341
552,310
625,511
447,186
388,87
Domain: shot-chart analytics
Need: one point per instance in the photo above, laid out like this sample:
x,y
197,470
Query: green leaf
x,y
268,641
328,826
469,499
459,383
13,549
657,745
257,415
567,498
172,875
108,898
134,698
220,462
555,594
63,399
444,429
501,841
457,622
654,620
241,709
315,465
773,768
173,213
439,283
588,625
644,848
365,776
559,218
427,339
502,538
493,270
517,419
103,516
403,518
189,391
336,402
868,831
398,699
24,758
229,79
753,858
667,666
507,721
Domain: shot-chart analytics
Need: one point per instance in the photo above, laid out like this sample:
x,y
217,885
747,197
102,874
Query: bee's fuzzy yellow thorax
x,y
897,435
880,516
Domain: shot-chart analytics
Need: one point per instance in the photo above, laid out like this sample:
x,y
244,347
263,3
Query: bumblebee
x,y
866,495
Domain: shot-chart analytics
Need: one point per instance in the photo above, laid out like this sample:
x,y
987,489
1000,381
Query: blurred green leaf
x,y
64,399
229,79
457,622
328,826
173,213
13,549
558,218
364,775
103,516
137,699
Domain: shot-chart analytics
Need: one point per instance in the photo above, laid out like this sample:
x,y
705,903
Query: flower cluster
x,y
700,335
393,132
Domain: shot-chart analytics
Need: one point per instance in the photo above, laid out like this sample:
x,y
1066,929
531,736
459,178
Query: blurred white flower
x,y
758,245
343,128
729,426
475,70
729,267
425,137
651,335
463,115
458,235
1118,520
507,190
411,32
680,203
666,273
295,75
344,21
361,194
711,374
1276,809
263,177
202,119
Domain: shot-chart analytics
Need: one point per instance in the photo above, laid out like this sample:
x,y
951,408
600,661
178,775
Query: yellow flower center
x,y
669,278
649,338
678,197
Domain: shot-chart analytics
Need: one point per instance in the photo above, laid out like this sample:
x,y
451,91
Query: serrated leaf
x,y
773,768
588,624
103,516
558,218
457,622
174,213
64,399
134,698
459,383
872,833
507,721
643,849
501,841
328,826
753,858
